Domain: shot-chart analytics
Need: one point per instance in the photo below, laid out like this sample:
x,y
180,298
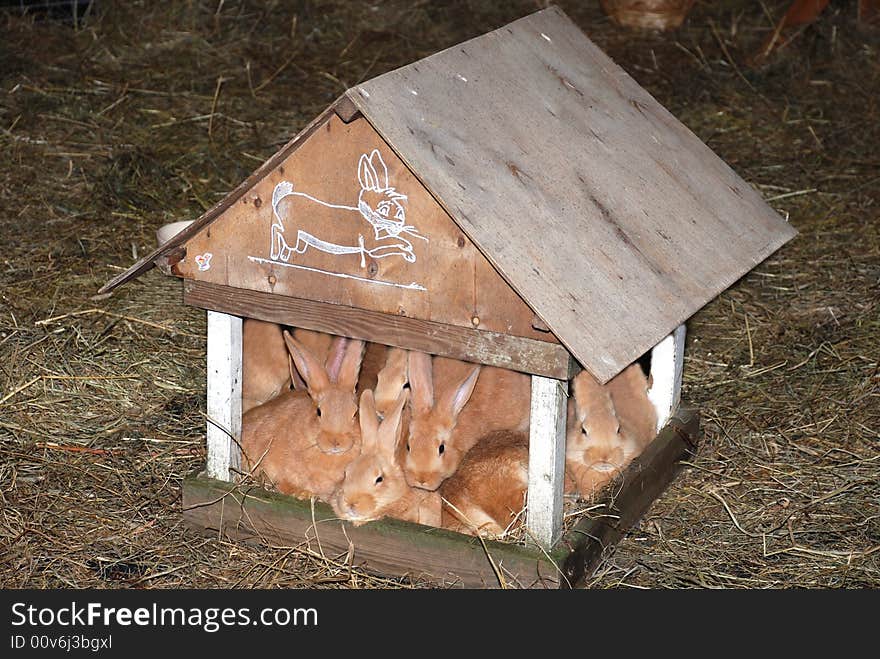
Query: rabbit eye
x,y
379,480
399,215
407,447
442,448
319,411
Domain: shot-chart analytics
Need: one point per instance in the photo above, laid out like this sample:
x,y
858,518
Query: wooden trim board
x,y
542,358
224,395
544,506
387,546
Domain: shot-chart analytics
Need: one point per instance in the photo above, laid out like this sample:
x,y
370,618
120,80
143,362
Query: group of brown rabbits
x,y
377,431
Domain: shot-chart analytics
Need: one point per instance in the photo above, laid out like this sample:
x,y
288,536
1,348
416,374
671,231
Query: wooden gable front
x,y
342,223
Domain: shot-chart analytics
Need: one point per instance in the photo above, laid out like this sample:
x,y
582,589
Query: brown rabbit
x,y
374,485
635,411
470,401
595,449
373,362
331,386
387,384
265,372
384,371
280,440
277,441
390,381
486,495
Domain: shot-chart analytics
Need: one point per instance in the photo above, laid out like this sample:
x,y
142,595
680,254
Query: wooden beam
x,y
388,546
224,395
667,362
633,492
345,109
546,460
517,353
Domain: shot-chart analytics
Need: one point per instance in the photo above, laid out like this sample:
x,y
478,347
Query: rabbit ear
x,y
582,388
579,396
346,374
392,378
421,380
462,394
309,367
367,175
368,421
379,169
389,429
593,405
295,378
335,355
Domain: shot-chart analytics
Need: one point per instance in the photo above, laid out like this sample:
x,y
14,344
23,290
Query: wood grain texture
x,y
607,215
482,347
634,491
224,395
387,546
442,279
546,460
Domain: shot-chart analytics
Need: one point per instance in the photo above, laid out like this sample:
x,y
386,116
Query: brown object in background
x,y
869,13
648,14
801,12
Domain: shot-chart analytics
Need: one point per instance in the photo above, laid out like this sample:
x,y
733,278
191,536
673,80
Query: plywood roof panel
x,y
607,215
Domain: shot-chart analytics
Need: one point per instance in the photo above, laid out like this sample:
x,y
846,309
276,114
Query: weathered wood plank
x,y
546,460
224,395
606,214
517,353
388,546
633,492
667,362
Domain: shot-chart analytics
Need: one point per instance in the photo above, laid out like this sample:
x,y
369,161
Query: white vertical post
x,y
667,361
224,395
546,460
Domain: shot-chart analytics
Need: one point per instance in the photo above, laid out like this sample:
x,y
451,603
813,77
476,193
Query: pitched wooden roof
x,y
608,216
612,220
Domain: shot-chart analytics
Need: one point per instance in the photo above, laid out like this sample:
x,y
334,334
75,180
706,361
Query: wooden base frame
x,y
393,547
548,398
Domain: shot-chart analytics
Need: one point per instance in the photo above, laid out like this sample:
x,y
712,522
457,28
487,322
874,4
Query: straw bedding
x,y
137,114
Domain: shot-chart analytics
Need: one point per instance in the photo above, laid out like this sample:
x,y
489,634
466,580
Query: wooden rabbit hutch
x,y
517,200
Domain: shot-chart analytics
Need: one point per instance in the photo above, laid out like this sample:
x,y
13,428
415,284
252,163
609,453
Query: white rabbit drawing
x,y
379,204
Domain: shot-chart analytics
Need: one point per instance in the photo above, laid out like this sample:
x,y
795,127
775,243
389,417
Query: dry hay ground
x,y
142,113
